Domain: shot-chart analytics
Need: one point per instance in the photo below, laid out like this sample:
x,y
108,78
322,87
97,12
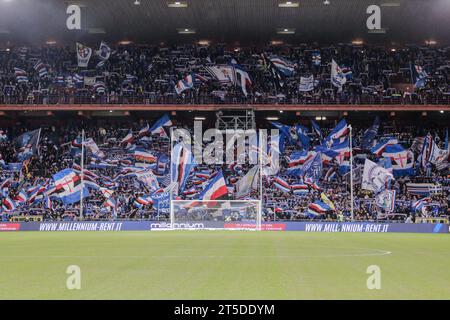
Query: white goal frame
x,y
244,225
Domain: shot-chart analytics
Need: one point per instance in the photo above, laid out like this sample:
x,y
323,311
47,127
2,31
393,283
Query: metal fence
x,y
155,99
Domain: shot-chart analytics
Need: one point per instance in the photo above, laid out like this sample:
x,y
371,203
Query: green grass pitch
x,y
223,265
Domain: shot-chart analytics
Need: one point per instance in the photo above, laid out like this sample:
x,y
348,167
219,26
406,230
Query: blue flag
x,y
317,129
370,134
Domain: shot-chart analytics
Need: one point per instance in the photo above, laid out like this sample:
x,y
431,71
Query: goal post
x,y
215,215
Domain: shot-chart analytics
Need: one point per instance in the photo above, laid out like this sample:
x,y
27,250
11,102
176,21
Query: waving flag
x,y
419,204
303,139
144,131
418,75
446,145
300,188
33,193
216,189
387,164
22,197
68,186
242,79
427,151
104,51
285,130
8,204
94,149
224,74
316,58
283,65
331,174
190,192
185,84
6,183
318,208
277,75
144,156
421,189
3,136
378,149
386,200
127,139
158,126
299,158
21,75
78,79
107,193
161,200
375,178
83,55
340,131
100,87
312,168
48,203
343,157
347,72
438,156
338,78
29,140
327,201
110,202
317,129
182,164
148,179
41,69
162,164
144,200
281,184
327,154
306,84
370,134
401,159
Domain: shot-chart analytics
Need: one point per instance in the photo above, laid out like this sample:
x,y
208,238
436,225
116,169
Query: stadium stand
x,y
218,74
128,164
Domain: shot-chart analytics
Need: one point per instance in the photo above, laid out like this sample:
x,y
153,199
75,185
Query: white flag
x,y
224,74
92,146
306,84
338,78
386,200
248,183
438,155
104,52
375,177
83,54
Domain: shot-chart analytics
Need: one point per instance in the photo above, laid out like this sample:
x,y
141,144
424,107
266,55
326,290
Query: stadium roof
x,y
237,22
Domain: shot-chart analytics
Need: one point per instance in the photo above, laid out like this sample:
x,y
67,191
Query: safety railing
x,y
155,99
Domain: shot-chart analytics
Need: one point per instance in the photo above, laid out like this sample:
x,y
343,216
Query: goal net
x,y
215,214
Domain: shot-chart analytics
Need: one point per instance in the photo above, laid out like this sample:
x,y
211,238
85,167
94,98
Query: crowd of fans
x,y
148,75
59,149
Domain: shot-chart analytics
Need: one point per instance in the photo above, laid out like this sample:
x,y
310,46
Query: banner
x,y
364,227
306,84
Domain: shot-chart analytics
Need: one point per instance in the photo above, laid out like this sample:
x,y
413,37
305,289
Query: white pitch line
x,y
380,253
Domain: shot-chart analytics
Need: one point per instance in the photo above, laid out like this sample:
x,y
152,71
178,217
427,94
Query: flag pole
x,y
82,178
351,173
258,224
37,142
171,213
